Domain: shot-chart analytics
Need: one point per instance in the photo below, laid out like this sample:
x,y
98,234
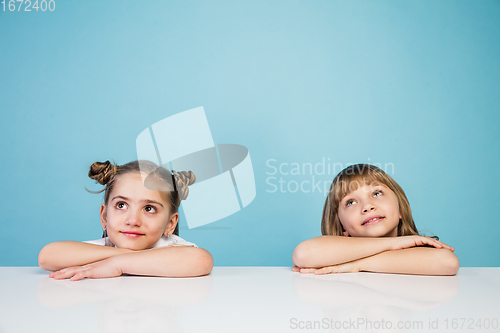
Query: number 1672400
x,y
28,6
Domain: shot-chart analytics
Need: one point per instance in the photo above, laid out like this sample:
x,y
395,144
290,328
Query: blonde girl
x,y
139,218
367,225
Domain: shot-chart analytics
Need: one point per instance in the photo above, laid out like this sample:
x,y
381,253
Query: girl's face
x,y
370,211
136,217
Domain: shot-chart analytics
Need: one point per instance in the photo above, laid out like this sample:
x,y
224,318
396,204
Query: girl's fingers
x,y
431,242
81,274
64,273
295,269
78,276
324,270
443,245
412,241
437,244
308,270
448,247
59,276
341,268
54,274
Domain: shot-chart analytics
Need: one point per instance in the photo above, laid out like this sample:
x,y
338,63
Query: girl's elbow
x,y
48,257
43,259
301,256
454,264
450,262
205,262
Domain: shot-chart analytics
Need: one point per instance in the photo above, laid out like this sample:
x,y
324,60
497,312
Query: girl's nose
x,y
134,218
368,207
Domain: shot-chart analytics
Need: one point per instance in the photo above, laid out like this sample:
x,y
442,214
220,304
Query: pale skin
x,y
370,216
135,219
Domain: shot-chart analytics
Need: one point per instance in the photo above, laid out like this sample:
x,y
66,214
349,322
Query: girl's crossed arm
x,y
336,254
170,261
59,255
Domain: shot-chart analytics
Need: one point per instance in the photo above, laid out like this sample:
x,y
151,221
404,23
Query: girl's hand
x,y
106,268
405,242
347,267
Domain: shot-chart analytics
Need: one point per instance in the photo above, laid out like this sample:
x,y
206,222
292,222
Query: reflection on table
x,y
129,303
372,301
243,299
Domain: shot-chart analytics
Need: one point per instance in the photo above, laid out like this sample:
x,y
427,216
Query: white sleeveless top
x,y
164,241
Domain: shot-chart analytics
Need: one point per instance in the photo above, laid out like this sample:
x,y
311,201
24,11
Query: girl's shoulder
x,y
103,241
172,240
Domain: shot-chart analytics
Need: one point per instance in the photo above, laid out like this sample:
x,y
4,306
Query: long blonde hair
x,y
350,179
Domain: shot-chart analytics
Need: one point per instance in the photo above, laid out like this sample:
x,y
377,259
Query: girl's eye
x,y
150,209
377,193
350,202
121,205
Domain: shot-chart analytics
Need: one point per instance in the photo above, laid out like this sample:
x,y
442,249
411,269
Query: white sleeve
x,y
172,240
164,241
96,242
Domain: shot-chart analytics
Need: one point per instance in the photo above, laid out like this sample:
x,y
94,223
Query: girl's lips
x,y
131,234
373,220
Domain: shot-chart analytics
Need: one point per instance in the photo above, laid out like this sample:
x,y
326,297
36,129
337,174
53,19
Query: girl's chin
x,y
375,234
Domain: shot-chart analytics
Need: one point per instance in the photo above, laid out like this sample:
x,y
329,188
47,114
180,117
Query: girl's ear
x,y
172,223
103,216
344,232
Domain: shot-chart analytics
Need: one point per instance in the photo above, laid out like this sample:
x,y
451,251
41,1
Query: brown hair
x,y
174,186
350,179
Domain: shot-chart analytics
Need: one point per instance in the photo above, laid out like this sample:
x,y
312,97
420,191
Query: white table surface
x,y
251,299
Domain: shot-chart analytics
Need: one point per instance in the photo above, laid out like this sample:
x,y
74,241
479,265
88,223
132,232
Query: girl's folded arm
x,y
416,260
59,255
170,261
332,250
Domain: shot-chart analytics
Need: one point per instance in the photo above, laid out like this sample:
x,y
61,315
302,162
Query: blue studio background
x,y
410,85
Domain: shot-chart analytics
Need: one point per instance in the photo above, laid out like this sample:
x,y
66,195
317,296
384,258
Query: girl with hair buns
x,y
367,225
141,236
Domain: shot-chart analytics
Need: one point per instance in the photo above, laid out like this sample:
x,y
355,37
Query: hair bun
x,y
182,180
102,172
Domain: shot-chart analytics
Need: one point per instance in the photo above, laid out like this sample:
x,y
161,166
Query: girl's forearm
x,y
416,260
171,261
59,255
333,250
